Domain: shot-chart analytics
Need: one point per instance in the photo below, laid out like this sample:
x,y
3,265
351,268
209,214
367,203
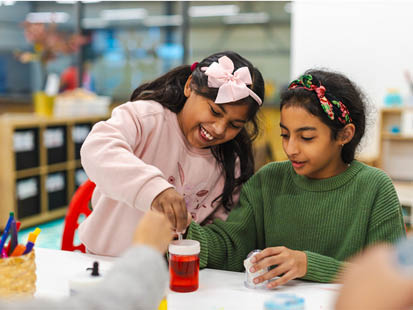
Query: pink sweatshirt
x,y
132,157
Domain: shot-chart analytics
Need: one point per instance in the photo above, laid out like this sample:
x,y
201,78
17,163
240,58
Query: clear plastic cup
x,y
249,276
184,265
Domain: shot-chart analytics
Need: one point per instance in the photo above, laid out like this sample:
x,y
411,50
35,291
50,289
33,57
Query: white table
x,y
218,290
54,268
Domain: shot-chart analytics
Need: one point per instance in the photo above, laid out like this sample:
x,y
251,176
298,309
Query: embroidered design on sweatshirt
x,y
194,195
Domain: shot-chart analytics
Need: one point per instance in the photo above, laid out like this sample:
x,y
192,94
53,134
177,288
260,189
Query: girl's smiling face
x,y
205,123
308,143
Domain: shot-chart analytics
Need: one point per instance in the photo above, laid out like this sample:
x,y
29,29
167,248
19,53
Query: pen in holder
x,y
18,275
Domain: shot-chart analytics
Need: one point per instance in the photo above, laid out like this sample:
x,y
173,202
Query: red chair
x,y
78,205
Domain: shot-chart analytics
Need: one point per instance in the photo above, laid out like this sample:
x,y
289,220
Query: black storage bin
x,y
80,177
79,134
28,196
26,148
55,142
56,188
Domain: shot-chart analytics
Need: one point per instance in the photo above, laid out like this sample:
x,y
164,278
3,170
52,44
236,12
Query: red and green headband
x,y
306,82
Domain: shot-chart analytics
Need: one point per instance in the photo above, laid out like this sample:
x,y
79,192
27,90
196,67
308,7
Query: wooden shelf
x,y
397,137
405,193
43,217
39,162
396,110
395,157
395,149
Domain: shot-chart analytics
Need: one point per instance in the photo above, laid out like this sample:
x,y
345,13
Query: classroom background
x,y
64,65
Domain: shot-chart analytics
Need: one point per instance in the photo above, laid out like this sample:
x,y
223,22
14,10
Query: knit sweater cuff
x,y
196,232
321,268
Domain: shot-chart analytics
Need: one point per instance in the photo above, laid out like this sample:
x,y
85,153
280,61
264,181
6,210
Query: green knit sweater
x,y
330,219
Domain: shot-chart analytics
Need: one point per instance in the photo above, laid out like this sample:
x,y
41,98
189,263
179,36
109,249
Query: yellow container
x,y
18,276
43,104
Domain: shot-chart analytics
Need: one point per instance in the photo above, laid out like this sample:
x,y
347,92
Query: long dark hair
x,y
341,88
168,90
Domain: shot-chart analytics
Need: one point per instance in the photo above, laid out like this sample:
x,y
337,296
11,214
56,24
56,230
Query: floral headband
x,y
306,82
232,86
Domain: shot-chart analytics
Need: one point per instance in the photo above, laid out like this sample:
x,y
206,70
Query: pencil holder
x,y
18,276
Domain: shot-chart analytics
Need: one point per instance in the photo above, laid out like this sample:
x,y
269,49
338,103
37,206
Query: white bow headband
x,y
231,87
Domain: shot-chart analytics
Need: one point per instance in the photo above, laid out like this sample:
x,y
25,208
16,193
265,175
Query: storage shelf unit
x,y
396,146
40,165
396,149
405,193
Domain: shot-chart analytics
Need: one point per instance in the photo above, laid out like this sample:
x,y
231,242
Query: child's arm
x,y
109,156
385,225
137,280
225,245
172,204
386,220
290,264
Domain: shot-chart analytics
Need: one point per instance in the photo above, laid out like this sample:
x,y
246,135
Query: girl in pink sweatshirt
x,y
180,146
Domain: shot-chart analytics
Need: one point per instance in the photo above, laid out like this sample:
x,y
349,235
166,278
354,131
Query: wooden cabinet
x,y
405,193
396,145
396,156
40,165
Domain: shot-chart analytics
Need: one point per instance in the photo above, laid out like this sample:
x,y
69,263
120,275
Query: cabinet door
x,y
55,142
26,148
28,197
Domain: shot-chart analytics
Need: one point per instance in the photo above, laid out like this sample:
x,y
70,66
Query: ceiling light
x,y
213,10
124,14
288,8
7,3
163,20
89,23
248,18
47,17
73,2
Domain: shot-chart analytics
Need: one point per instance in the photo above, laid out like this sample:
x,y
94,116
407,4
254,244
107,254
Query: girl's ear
x,y
187,88
346,134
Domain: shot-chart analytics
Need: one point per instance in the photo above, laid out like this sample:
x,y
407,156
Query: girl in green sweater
x,y
313,212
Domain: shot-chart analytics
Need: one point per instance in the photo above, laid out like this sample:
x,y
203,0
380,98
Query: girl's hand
x,y
189,221
172,204
158,238
290,264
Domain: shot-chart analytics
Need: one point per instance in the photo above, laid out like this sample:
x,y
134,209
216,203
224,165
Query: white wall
x,y
369,41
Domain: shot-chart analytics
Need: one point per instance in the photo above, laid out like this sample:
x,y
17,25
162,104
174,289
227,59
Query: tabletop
x,y
218,289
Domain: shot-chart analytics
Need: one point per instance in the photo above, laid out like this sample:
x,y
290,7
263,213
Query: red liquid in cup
x,y
184,273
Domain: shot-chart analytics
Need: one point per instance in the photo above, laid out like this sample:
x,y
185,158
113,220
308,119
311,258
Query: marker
x,y
19,250
28,247
13,236
3,254
31,240
33,235
6,231
18,224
